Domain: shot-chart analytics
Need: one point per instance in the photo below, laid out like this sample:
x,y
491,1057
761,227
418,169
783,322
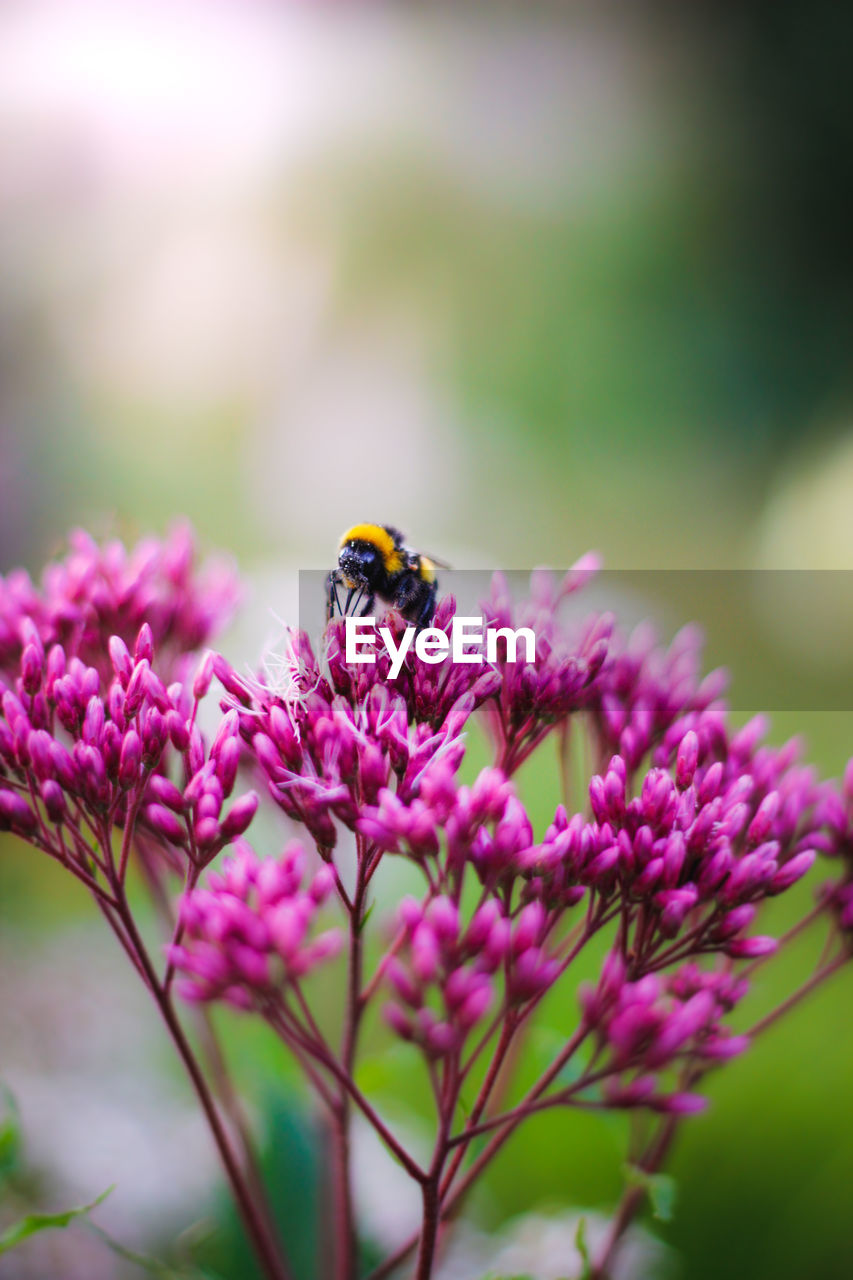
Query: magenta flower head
x,y
662,856
445,986
564,675
83,752
647,694
656,1024
95,592
249,933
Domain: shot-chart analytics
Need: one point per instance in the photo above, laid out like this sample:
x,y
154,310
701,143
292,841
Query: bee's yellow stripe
x,y
379,538
426,569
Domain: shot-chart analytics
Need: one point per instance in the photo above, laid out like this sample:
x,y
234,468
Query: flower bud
x,y
398,1022
203,676
239,816
752,948
144,648
39,743
165,791
54,800
32,665
166,823
709,787
227,764
323,885
764,818
121,660
178,730
792,871
136,689
130,759
15,814
687,760
443,915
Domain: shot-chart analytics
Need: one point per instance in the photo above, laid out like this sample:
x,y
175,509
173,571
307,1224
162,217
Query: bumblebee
x,y
374,562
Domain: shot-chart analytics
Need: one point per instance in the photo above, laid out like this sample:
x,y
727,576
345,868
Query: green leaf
x,y
153,1266
659,1187
364,919
582,1246
35,1222
10,1134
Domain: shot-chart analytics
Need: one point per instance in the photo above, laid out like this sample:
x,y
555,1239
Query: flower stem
x,y
429,1230
272,1263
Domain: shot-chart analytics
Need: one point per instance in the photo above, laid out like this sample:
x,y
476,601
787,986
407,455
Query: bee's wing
x,y
435,562
414,558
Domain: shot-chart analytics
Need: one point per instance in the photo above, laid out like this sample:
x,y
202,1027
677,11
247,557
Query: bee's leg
x,y
332,601
368,605
352,591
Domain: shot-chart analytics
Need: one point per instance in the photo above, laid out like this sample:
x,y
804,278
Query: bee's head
x,y
360,562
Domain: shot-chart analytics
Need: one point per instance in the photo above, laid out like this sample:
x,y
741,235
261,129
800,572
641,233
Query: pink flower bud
x,y
144,644
410,912
735,921
398,1021
130,759
528,927
323,885
164,821
752,948
267,754
15,814
709,787
443,915
425,954
54,800
475,1006
178,730
165,791
32,663
203,676
39,744
136,689
680,1104
401,980
227,764
287,926
687,760
206,832
721,1048
764,818
121,660
239,816
792,871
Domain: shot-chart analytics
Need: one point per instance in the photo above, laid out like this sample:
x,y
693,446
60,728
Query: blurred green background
x,y
524,280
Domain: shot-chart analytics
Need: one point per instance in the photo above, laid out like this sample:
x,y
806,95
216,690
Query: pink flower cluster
x,y
569,671
326,758
649,697
247,932
648,1026
88,748
455,965
430,692
688,827
95,592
